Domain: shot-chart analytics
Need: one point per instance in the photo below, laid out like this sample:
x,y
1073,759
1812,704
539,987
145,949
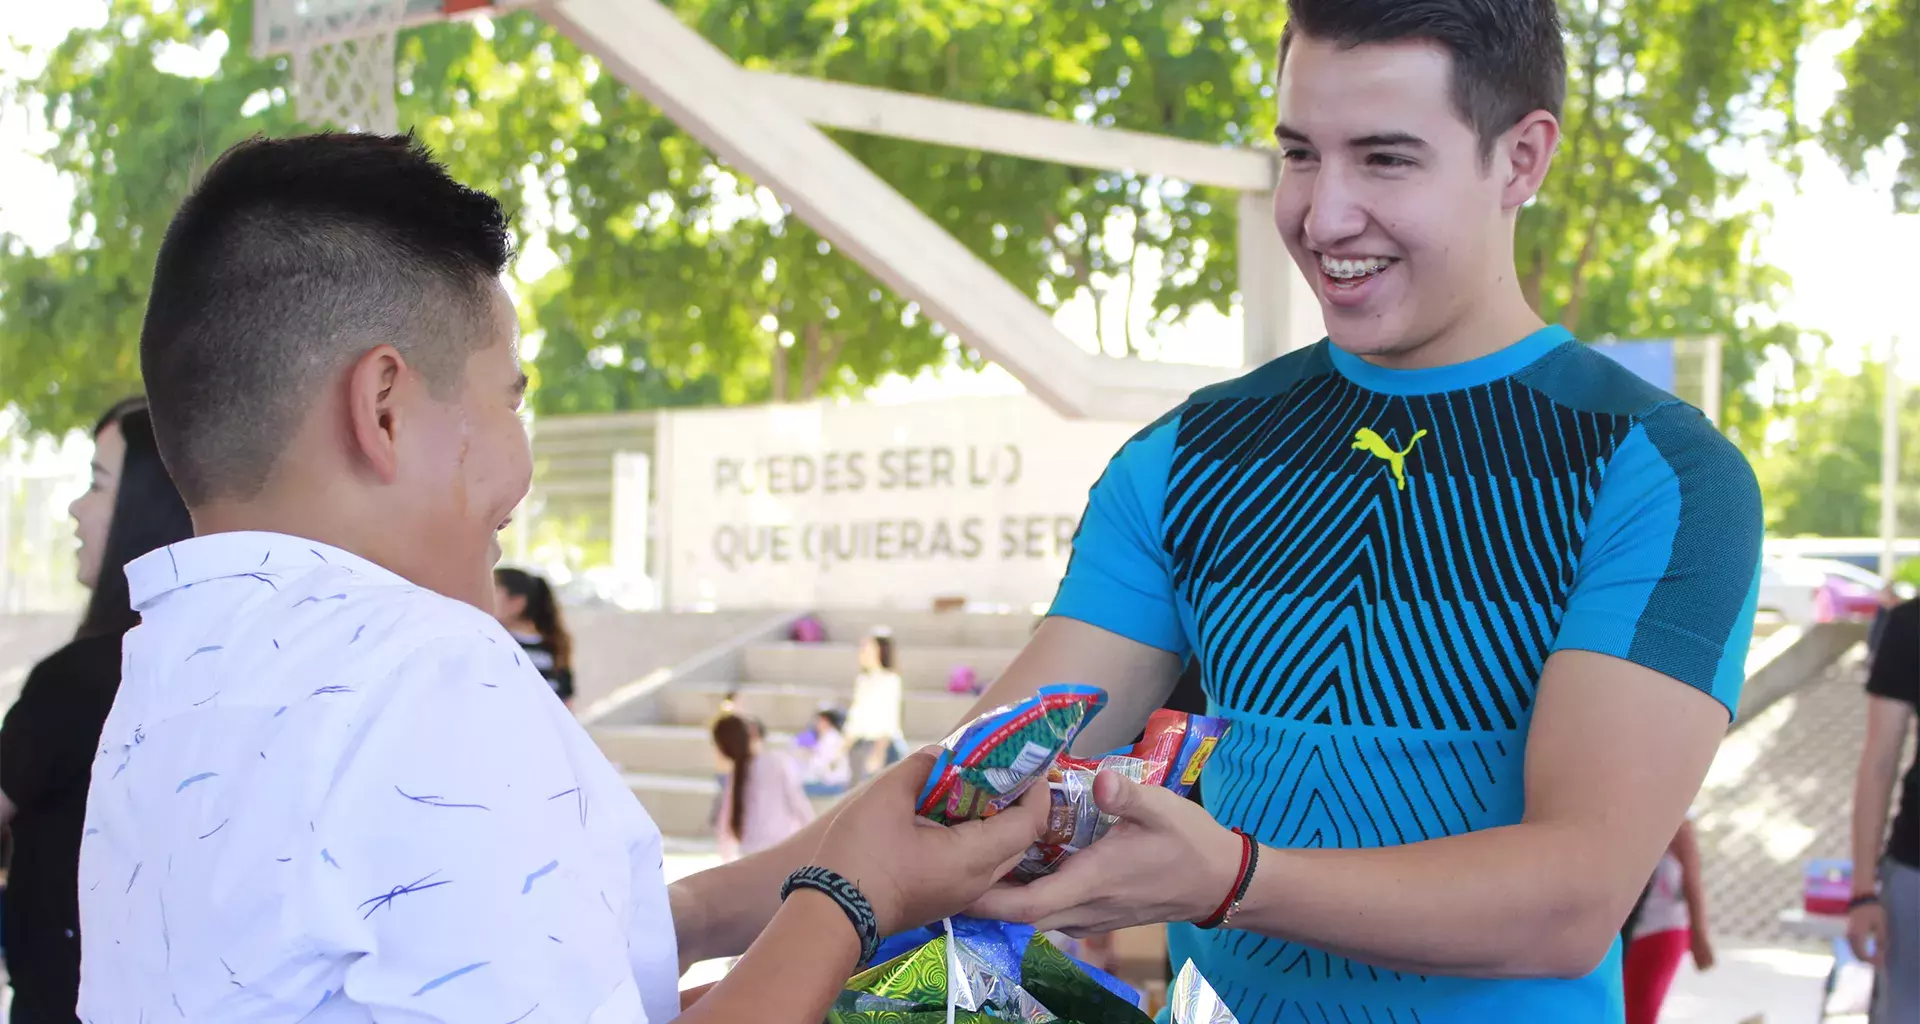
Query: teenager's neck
x,y
523,627
313,518
1486,329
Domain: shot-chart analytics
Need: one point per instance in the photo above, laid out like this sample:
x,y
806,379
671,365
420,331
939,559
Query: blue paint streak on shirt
x,y
328,858
437,801
387,898
203,650
357,632
537,875
449,976
216,828
202,777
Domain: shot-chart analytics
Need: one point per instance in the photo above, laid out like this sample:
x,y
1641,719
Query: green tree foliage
x,y
1637,232
1821,474
678,281
1880,106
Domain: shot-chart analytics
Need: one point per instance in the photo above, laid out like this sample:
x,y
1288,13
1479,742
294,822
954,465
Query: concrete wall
x,y
611,647
1792,657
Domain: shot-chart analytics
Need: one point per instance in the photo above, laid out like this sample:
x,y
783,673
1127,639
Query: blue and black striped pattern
x,y
1323,593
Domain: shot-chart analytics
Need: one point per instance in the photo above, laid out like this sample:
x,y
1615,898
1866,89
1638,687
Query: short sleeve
x,y
454,856
1669,569
1120,577
1896,665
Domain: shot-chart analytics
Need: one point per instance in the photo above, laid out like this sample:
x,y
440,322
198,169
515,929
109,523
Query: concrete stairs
x,y
669,760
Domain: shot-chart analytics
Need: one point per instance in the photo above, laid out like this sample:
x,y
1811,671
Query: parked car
x,y
1805,590
1789,588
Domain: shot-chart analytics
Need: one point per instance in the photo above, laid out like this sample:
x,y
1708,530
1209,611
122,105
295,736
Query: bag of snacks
x,y
985,972
1172,754
988,763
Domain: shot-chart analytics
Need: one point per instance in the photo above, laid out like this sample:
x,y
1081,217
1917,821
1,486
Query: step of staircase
x,y
682,806
786,708
835,664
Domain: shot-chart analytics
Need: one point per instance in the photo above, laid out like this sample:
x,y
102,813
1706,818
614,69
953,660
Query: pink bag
x,y
962,680
808,630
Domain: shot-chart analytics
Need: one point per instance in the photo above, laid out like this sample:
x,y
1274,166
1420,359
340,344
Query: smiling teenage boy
x,y
1475,599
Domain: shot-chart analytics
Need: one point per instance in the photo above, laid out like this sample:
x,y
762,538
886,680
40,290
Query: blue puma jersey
x,y
1371,568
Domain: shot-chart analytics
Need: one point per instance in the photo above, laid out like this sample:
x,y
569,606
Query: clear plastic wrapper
x,y
1193,1001
1172,753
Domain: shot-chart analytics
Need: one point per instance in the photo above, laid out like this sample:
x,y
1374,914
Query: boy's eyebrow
x,y
1390,138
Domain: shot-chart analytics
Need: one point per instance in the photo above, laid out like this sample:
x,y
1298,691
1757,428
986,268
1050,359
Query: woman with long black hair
x,y
47,743
524,603
762,800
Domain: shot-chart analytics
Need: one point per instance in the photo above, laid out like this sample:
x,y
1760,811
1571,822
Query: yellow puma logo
x,y
1368,441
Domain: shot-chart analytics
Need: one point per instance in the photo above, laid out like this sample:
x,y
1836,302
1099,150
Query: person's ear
x,y
373,410
1523,154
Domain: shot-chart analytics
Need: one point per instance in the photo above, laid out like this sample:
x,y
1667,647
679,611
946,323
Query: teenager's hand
x,y
1703,959
1867,932
1165,860
912,870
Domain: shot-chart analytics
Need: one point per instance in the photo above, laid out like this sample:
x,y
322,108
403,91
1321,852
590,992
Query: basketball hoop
x,y
342,53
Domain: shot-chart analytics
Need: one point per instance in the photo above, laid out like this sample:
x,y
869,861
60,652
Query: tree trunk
x,y
822,352
779,373
1133,284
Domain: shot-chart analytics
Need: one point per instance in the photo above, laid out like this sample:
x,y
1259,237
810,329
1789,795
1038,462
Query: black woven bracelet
x,y
1863,900
859,912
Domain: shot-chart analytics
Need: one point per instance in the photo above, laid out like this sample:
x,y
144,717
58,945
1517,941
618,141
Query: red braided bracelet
x,y
1239,888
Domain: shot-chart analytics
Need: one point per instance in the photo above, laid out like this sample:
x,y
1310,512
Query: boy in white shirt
x,y
331,788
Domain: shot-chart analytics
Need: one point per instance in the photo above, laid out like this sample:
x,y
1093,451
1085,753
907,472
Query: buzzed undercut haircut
x,y
1509,58
291,259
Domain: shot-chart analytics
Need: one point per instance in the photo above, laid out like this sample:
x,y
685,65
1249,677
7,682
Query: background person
x,y
1883,923
47,743
524,603
825,766
762,799
874,716
1670,921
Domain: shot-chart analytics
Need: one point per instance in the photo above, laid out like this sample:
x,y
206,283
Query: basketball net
x,y
342,54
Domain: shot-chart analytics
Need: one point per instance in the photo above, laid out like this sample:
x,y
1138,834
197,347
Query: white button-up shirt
x,y
325,794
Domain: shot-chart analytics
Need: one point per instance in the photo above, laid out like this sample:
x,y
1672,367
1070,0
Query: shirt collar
x,y
1433,380
224,555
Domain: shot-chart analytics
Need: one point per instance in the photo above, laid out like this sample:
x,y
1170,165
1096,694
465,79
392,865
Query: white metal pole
x,y
1889,457
1713,366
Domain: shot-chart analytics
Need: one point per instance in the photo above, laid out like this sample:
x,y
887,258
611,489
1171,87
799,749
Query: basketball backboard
x,y
281,26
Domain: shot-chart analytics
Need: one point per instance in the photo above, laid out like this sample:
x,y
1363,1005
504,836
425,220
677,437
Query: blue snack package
x,y
988,763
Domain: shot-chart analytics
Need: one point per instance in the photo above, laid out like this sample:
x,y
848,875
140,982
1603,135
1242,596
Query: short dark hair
x,y
290,259
147,516
1509,57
